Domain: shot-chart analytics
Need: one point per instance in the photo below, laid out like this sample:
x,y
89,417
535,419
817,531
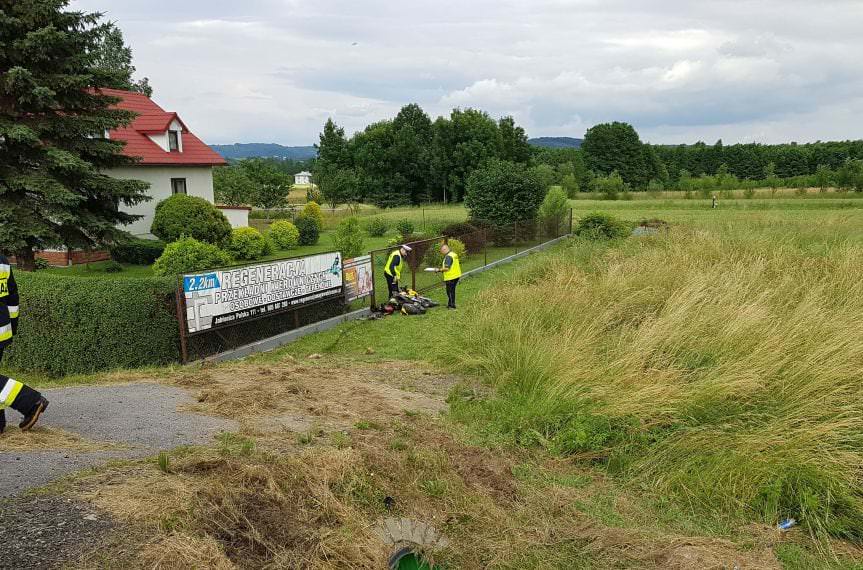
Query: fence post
x,y
515,236
374,282
570,221
484,247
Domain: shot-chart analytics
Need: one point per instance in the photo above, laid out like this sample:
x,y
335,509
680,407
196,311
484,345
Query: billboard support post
x,y
181,319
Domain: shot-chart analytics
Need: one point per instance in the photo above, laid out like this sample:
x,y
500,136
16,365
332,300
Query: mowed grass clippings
x,y
43,438
318,506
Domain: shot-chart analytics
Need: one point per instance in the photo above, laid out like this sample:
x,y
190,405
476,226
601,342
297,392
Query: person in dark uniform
x,y
13,394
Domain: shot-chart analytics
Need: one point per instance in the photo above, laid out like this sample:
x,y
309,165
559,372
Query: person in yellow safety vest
x,y
451,269
393,268
14,394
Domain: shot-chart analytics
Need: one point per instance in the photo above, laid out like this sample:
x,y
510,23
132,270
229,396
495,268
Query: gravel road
x,y
143,417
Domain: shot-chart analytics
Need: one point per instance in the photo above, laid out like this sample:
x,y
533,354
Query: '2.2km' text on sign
x,y
229,296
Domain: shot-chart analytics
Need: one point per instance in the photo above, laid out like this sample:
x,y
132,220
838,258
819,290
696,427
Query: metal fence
x,y
485,245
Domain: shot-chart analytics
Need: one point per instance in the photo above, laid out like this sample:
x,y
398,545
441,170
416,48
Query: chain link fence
x,y
484,244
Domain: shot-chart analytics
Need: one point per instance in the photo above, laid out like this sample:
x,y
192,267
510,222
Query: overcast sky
x,y
680,71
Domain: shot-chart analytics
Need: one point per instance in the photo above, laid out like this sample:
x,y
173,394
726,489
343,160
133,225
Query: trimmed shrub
x,y
137,251
187,255
277,214
313,211
598,226
473,237
284,234
309,230
248,244
182,215
348,238
405,227
112,267
73,325
377,226
434,258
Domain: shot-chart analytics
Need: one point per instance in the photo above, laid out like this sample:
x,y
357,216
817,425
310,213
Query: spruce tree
x,y
53,123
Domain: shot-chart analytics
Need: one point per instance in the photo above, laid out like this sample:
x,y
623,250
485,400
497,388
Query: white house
x,y
172,159
303,178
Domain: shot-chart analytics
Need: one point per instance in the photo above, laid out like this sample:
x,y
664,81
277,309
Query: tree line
x,y
412,159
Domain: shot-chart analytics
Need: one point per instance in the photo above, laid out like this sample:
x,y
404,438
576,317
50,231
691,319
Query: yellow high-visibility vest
x,y
398,268
454,271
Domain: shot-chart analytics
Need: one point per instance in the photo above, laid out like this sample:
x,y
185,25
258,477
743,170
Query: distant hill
x,y
264,150
556,142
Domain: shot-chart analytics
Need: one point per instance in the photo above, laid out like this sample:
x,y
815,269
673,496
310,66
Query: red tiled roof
x,y
153,119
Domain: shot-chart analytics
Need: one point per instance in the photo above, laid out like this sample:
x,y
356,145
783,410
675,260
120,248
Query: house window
x,y
178,185
173,141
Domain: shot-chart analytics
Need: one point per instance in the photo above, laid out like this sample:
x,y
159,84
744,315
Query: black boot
x,y
31,418
2,421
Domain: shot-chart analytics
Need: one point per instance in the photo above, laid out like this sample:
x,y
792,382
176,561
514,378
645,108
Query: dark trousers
x,y
450,292
392,285
24,403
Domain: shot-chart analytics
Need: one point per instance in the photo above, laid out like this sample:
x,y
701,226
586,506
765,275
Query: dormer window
x,y
173,141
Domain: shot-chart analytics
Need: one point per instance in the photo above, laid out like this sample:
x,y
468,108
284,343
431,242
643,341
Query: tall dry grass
x,y
722,368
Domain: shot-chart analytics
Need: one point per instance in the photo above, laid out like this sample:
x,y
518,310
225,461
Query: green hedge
x,y
137,251
71,325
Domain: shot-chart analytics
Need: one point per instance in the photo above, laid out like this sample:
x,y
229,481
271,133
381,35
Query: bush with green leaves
x,y
187,255
599,226
248,244
503,193
434,258
473,237
348,238
284,234
136,251
405,227
554,211
609,187
313,211
182,215
309,230
71,325
377,226
314,194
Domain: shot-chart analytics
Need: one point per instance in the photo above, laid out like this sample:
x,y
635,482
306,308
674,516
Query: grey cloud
x,y
272,70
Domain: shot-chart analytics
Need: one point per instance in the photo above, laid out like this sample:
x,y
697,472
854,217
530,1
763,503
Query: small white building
x,y
303,178
171,158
